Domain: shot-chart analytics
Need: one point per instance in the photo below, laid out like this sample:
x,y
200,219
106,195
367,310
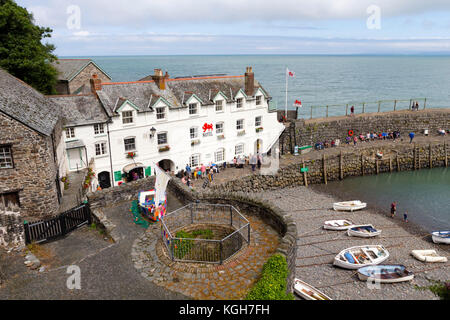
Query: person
x,y
411,137
441,132
253,162
352,110
203,170
417,105
355,140
188,170
135,176
235,162
184,180
405,217
393,209
188,181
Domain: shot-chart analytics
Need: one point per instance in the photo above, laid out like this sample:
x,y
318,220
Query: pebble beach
x,y
311,207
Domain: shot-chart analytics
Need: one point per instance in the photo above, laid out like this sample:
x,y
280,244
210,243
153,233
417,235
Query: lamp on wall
x,y
152,132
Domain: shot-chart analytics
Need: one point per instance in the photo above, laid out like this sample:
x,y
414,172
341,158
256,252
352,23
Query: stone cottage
x,y
75,74
32,150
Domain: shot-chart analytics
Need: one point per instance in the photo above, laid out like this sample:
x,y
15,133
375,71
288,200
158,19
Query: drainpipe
x,y
111,176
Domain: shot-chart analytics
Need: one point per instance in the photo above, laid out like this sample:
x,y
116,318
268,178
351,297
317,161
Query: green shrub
x,y
272,284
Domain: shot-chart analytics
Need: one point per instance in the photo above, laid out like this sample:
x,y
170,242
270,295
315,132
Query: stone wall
x,y
309,132
342,165
84,77
34,172
11,229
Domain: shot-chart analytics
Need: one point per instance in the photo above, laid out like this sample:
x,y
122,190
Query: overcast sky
x,y
148,27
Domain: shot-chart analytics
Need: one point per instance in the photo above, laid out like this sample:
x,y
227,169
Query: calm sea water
x,y
423,194
320,80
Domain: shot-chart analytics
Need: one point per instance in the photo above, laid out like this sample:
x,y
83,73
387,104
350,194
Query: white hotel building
x,y
166,122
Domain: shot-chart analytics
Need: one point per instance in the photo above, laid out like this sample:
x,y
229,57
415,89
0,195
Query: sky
x,y
179,27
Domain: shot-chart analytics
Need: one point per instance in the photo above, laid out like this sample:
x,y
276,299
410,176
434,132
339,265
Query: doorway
x,y
104,180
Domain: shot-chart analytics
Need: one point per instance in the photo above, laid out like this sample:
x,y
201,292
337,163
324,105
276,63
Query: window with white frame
x,y
194,133
239,149
219,156
193,109
258,121
162,138
99,128
101,149
219,105
219,128
239,103
160,113
130,144
70,133
127,117
6,160
258,100
240,124
194,160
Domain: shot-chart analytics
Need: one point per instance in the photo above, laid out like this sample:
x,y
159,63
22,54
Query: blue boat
x,y
385,273
441,237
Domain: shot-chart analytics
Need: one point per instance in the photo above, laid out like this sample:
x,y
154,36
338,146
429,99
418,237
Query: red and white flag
x,y
297,103
290,73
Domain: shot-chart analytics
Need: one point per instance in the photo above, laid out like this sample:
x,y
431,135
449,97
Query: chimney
x,y
249,81
96,83
159,79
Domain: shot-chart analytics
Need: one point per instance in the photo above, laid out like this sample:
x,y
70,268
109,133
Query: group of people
x,y
327,144
394,211
372,136
200,172
254,160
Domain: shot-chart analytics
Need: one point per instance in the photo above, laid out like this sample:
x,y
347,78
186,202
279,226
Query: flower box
x,y
259,129
221,136
164,149
241,133
194,142
131,155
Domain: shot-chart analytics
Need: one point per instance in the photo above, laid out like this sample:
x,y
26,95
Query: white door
x,y
75,160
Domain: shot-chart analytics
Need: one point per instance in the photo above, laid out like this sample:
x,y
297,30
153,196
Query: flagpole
x,y
285,113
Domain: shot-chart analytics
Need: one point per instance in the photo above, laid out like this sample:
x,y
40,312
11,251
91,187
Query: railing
x,y
201,249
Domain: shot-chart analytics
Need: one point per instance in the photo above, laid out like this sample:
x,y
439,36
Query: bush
x,y
272,284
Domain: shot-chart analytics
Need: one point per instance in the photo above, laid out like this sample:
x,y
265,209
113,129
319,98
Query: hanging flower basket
x,y
241,133
131,155
195,142
164,149
259,129
220,137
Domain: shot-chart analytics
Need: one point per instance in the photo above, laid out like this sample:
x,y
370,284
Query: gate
x,y
46,230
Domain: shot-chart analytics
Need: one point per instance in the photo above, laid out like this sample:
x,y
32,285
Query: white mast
x,y
285,113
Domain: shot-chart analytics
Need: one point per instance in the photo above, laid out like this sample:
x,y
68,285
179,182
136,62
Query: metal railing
x,y
202,248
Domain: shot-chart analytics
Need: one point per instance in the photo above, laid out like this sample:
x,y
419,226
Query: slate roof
x,y
23,103
145,94
79,110
69,68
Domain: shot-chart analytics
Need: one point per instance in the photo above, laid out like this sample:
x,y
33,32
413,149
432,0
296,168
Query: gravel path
x,y
318,247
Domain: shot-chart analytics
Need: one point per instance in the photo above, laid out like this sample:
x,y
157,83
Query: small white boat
x,y
349,205
337,225
441,237
307,291
385,273
363,231
361,256
428,256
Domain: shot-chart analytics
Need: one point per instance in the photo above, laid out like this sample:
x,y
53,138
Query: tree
x,y
22,52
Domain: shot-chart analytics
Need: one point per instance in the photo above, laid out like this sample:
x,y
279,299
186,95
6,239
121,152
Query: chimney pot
x,y
159,79
249,81
96,84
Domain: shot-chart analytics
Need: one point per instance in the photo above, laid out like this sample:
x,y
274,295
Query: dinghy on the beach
x,y
385,273
428,256
441,237
349,205
363,231
360,256
337,225
307,291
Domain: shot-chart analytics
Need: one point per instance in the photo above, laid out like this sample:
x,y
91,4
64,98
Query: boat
x,y
148,207
337,225
349,205
385,273
428,256
307,291
363,231
441,237
360,256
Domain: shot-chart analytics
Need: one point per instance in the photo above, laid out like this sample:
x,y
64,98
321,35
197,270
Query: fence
x,y
360,107
226,222
46,230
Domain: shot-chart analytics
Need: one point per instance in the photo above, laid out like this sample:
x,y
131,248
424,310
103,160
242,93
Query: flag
x,y
297,103
290,73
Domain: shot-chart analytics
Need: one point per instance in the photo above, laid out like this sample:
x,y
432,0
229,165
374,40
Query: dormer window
x,y
219,105
160,113
99,128
127,117
258,100
193,109
239,103
70,133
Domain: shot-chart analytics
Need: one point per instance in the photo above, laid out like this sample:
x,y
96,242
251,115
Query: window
x,y
100,149
127,117
162,138
99,128
6,160
193,108
239,103
10,199
194,161
130,144
240,124
258,121
160,113
70,133
239,149
219,128
258,100
194,132
219,105
219,155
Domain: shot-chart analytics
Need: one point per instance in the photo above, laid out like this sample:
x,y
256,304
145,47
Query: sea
x,y
335,81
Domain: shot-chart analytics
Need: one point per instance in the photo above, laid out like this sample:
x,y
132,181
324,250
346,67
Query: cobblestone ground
x,y
230,281
318,247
